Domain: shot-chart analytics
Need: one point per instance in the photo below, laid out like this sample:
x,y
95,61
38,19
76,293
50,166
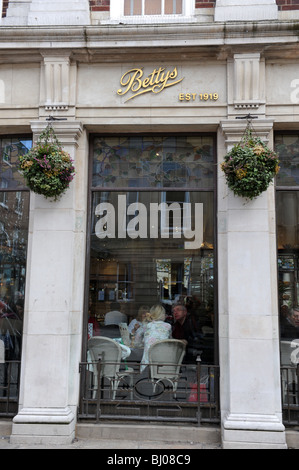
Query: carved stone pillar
x,y
246,79
251,414
58,83
52,335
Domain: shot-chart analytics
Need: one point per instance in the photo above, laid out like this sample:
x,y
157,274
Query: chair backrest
x,y
286,351
2,352
165,358
289,352
124,333
110,352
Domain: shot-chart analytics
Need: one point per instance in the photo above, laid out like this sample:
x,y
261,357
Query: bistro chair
x,y
288,362
111,353
165,359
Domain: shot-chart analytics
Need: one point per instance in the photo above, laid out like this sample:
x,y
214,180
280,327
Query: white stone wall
x,y
74,73
244,10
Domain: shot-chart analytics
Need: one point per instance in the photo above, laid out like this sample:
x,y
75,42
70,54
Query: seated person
x,y
182,327
156,330
137,322
115,316
289,326
185,328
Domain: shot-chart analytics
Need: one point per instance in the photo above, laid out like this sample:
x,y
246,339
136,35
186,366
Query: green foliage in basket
x,y
47,168
249,167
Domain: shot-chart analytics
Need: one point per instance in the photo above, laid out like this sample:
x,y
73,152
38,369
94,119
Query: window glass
x,y
153,162
173,7
288,290
287,147
287,220
141,256
14,219
152,7
10,149
132,7
152,235
14,214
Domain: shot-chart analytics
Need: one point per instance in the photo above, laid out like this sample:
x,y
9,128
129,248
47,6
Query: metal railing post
x,y
99,366
198,369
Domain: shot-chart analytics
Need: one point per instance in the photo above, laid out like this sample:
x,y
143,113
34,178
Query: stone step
x,y
154,433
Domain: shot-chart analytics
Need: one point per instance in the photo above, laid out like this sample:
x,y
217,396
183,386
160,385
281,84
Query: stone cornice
x,y
153,36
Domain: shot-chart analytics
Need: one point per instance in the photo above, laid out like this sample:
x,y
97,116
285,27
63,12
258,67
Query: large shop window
x,y
287,209
14,215
152,241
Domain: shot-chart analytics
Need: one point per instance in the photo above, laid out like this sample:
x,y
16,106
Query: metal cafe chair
x,y
288,365
165,359
110,352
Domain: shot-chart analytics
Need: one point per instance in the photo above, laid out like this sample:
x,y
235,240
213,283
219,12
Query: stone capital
x,y
68,132
234,129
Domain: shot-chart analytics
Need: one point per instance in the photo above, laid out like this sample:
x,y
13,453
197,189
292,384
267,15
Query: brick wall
x,y
205,3
99,5
4,7
104,5
288,4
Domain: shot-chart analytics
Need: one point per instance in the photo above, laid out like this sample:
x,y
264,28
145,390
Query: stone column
x,y
248,311
52,332
246,10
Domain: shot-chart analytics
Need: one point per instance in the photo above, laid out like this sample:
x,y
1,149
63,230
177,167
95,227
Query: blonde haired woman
x,y
140,318
156,330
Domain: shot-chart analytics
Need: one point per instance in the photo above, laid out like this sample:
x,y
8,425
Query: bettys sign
x,y
136,82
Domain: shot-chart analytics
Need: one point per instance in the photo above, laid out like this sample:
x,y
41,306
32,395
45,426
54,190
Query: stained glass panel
x,y
153,162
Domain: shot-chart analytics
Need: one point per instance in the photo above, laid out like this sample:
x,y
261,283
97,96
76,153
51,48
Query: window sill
x,y
150,19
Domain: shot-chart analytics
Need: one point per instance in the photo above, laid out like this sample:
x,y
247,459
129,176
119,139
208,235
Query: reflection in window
x,y
145,270
14,214
13,249
10,149
288,291
287,147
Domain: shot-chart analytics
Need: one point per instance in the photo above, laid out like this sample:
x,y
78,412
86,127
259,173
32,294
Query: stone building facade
x,y
66,60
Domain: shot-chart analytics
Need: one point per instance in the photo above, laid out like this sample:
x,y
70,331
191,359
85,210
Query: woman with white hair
x,y
156,330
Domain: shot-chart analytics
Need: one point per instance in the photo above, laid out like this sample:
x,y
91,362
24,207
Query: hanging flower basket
x,y
250,166
47,168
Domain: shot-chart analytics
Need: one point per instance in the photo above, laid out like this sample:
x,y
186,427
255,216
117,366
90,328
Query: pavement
x,y
82,443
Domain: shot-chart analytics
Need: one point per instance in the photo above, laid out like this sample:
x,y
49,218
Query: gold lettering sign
x,y
134,81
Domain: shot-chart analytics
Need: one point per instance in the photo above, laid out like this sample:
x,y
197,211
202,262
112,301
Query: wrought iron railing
x,y
136,399
290,395
9,388
139,396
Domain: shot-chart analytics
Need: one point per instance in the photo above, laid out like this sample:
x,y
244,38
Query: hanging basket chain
x,y
48,136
